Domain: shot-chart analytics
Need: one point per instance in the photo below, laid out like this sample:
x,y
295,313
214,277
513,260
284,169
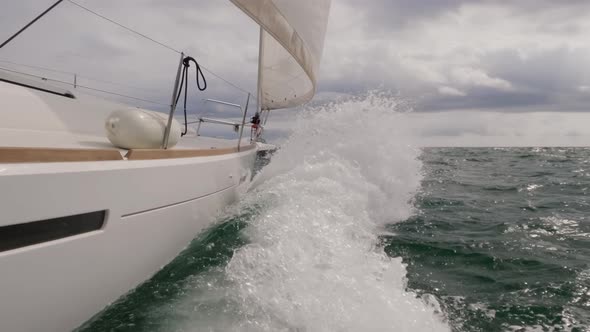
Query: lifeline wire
x,y
132,31
84,87
30,23
122,26
153,40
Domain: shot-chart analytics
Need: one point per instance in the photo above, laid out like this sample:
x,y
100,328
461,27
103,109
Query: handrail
x,y
216,121
243,122
244,113
225,103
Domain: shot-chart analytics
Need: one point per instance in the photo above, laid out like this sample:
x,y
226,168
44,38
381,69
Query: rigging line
x,y
121,95
119,84
78,75
27,74
38,67
155,41
122,26
226,81
30,23
85,87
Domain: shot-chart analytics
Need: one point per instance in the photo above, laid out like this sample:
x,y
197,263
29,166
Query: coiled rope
x,y
184,84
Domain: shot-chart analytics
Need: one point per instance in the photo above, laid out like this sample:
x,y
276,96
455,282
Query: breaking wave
x,y
313,261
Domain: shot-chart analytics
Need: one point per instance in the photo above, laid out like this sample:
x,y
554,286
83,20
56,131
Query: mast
x,y
259,86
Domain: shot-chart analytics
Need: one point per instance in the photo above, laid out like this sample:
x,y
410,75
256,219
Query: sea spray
x,y
313,262
500,243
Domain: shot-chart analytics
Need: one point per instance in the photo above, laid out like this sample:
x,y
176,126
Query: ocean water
x,y
349,229
502,238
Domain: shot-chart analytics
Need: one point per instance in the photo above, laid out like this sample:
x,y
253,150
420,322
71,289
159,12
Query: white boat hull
x,y
154,208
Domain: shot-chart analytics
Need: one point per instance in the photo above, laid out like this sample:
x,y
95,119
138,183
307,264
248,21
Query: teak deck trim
x,y
150,154
52,155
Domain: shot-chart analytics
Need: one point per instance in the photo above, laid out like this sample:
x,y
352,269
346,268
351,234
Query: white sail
x,y
291,48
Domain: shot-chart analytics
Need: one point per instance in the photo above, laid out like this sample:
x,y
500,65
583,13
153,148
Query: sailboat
x,y
88,213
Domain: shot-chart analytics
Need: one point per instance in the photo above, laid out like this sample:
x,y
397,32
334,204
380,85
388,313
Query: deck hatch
x,y
26,234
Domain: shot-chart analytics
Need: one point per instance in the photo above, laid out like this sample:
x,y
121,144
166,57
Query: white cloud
x,y
449,91
476,77
216,33
495,53
483,128
523,51
473,128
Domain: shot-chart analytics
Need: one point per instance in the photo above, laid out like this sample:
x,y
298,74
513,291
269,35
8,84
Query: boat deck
x,y
51,146
62,128
55,139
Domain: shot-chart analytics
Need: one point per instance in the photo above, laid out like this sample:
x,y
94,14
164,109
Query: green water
x,y
500,238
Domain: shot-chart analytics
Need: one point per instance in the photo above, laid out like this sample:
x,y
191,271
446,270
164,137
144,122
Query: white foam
x,y
313,262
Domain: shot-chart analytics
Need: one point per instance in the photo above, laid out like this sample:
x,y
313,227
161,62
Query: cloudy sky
x,y
463,65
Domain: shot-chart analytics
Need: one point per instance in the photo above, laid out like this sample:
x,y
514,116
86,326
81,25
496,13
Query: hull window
x,y
26,234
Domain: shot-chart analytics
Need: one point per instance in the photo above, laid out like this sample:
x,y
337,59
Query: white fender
x,y
136,128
